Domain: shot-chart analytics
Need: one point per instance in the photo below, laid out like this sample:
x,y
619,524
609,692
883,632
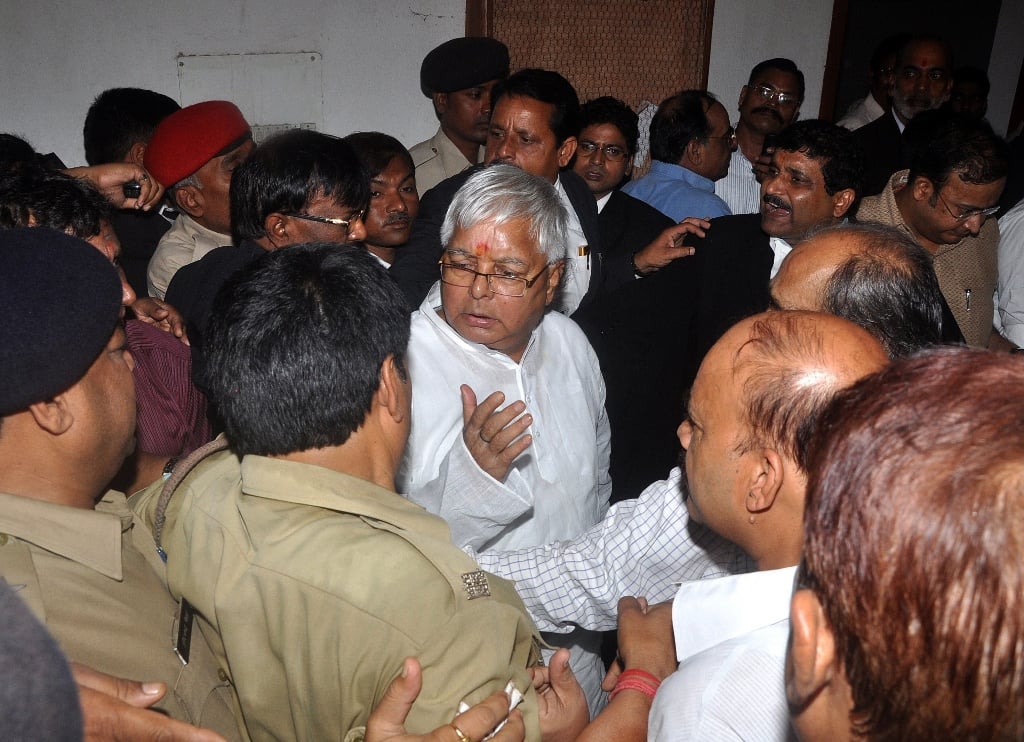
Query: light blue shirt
x,y
677,192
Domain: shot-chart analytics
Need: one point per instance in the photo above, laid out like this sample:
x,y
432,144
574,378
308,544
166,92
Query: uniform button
x,y
223,676
3,539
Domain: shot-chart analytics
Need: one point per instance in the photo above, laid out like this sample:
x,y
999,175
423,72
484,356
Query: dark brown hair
x,y
914,544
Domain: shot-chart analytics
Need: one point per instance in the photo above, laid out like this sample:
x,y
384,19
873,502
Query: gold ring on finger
x,y
461,734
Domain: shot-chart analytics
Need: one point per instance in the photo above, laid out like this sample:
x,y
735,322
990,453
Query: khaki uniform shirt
x,y
83,573
437,159
969,265
185,242
319,584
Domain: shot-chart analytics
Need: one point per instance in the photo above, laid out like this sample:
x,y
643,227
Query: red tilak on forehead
x,y
480,248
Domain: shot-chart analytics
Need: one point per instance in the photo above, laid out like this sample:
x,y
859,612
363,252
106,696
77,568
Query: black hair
x,y
376,150
609,110
295,346
841,154
974,75
121,117
35,196
680,119
288,171
782,65
940,143
888,47
547,87
15,152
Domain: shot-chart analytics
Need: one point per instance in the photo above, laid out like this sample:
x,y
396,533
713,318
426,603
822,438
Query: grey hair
x,y
503,193
191,180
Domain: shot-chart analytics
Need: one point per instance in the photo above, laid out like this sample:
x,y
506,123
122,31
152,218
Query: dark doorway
x,y
970,28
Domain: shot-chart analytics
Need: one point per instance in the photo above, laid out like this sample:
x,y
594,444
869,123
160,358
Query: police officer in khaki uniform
x,y
294,548
67,415
458,76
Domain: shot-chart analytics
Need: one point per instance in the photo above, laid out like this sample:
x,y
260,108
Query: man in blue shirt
x,y
692,142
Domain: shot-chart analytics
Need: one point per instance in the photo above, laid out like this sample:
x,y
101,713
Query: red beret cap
x,y
188,139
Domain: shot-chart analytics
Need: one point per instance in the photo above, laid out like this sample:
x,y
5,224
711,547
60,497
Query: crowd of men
x,y
401,428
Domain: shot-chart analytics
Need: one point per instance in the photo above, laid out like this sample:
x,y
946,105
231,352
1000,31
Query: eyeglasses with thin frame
x,y
783,99
455,274
336,221
970,213
729,137
612,152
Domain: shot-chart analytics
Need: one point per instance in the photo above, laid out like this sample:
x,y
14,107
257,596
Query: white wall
x,y
748,31
58,54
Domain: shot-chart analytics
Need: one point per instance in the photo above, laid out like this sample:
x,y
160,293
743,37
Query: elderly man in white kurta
x,y
509,439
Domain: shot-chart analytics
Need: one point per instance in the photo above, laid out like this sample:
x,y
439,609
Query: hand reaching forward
x,y
668,246
494,437
117,710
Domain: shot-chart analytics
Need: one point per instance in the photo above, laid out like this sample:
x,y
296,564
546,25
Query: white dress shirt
x,y
576,279
560,486
739,188
731,636
645,546
1011,274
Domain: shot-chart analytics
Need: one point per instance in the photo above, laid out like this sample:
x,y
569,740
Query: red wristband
x,y
639,680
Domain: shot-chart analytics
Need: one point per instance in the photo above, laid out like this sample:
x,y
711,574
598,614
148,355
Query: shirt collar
x,y
316,486
430,308
781,249
88,537
603,201
678,172
706,613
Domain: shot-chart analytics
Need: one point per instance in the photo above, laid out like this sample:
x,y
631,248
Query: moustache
x,y
777,202
770,111
397,219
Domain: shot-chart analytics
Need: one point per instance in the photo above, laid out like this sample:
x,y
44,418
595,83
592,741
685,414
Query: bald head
x,y
873,275
787,366
753,410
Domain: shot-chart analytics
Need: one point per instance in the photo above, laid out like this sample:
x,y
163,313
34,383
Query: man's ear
x,y
53,415
136,154
190,200
566,151
393,391
743,95
842,201
440,103
812,650
766,483
693,153
555,273
922,188
276,226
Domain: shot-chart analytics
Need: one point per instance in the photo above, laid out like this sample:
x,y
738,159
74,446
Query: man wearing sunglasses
x,y
299,186
957,172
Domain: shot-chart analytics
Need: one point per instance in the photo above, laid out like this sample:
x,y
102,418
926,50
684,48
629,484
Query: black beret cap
x,y
60,300
463,63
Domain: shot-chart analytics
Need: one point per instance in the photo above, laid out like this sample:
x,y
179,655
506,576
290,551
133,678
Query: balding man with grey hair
x,y
519,456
